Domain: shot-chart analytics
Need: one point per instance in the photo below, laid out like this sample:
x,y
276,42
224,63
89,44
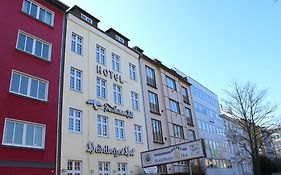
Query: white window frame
x,y
87,19
119,129
33,47
76,79
100,55
102,171
30,78
135,101
102,125
132,71
118,38
116,65
74,170
138,133
100,88
76,42
117,94
77,120
39,6
24,123
120,170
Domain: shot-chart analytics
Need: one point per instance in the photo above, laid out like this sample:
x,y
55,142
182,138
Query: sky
x,y
215,42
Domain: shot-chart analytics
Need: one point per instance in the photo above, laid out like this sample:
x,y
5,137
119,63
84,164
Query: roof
x,y
159,64
84,12
58,4
111,29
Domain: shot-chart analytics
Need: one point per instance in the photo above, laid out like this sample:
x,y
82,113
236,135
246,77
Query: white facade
x,y
240,158
103,124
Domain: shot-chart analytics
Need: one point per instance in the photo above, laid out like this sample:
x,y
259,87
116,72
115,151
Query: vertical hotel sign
x,y
175,153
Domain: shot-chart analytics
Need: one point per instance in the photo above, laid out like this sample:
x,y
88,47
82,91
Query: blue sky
x,y
215,42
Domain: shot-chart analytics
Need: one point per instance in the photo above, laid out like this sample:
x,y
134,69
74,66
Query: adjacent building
x,y
168,109
276,139
240,158
103,124
31,55
210,127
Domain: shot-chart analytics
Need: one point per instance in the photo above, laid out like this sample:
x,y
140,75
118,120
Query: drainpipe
x,y
60,95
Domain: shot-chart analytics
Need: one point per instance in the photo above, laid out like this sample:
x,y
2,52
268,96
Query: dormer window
x,y
85,18
118,38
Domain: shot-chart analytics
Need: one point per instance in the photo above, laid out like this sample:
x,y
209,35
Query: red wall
x,y
22,108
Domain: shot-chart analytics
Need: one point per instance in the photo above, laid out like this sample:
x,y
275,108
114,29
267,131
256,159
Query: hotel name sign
x,y
110,74
100,149
108,108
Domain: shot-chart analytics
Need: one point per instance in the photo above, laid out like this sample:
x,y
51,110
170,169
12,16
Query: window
x,y
117,94
132,69
25,134
100,54
87,19
191,135
178,131
104,168
76,43
74,120
118,38
119,129
157,131
34,46
38,11
188,116
115,62
28,86
138,135
184,94
102,126
74,167
101,88
171,83
135,100
150,76
75,79
153,102
122,168
162,169
174,106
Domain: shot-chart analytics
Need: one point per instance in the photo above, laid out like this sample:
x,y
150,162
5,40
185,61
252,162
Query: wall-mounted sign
x,y
99,149
108,108
175,153
109,73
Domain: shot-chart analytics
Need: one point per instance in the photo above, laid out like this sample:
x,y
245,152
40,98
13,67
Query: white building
x,y
210,127
240,158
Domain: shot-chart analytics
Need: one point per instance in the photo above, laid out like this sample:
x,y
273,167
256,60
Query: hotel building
x,y
103,124
168,111
31,54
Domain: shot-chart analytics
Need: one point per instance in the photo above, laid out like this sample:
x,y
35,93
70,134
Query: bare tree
x,y
246,103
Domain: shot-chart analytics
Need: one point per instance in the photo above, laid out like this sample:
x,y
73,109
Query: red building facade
x,y
31,53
